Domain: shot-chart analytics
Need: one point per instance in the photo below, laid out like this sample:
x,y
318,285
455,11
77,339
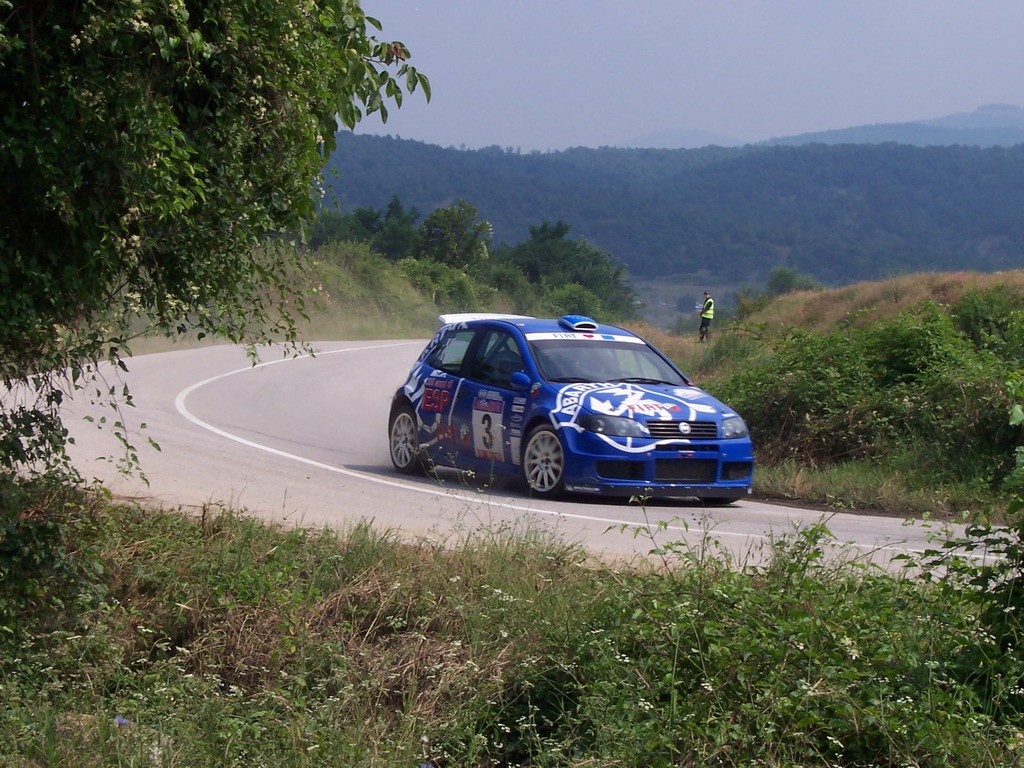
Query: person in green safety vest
x,y
707,311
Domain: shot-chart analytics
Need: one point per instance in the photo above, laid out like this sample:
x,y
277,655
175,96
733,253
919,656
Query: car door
x,y
485,402
442,435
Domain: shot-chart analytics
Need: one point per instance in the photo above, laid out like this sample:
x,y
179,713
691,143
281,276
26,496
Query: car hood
x,y
644,402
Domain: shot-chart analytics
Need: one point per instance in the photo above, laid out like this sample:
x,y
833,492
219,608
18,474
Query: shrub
x,y
985,568
574,299
49,561
448,287
807,660
915,382
993,319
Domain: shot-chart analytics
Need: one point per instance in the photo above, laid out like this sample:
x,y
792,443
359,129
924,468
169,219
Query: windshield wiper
x,y
642,380
571,380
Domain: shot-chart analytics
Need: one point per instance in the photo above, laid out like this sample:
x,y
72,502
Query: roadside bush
x,y
807,400
807,660
914,383
574,299
510,282
985,568
993,319
50,565
448,287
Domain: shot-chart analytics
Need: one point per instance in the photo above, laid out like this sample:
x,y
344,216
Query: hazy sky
x,y
550,74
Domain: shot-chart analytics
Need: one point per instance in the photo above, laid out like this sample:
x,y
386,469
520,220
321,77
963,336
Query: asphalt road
x,y
303,440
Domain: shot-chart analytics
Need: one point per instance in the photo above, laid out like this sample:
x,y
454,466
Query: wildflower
x,y
851,648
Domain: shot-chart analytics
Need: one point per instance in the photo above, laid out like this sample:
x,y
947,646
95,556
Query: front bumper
x,y
719,469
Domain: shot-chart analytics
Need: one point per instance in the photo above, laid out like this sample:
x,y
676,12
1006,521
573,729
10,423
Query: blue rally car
x,y
568,405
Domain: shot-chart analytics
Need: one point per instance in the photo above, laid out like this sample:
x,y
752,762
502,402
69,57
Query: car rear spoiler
x,y
465,317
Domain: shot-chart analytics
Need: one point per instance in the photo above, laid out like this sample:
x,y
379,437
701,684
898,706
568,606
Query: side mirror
x,y
520,381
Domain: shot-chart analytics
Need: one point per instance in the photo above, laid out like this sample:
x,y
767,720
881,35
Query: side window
x,y
448,354
496,359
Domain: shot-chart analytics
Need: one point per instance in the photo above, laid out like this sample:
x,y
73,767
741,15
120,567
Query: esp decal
x,y
437,395
436,400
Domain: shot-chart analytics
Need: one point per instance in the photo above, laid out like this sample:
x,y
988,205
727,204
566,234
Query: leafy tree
x,y
454,236
550,259
149,150
447,287
359,225
397,236
545,252
783,280
390,232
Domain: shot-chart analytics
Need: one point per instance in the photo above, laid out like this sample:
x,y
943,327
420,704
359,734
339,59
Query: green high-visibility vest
x,y
709,309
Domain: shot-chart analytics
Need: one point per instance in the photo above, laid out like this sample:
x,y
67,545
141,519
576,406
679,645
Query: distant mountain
x,y
993,125
839,214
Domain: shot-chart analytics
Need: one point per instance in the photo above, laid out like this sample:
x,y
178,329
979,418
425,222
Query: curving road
x,y
302,440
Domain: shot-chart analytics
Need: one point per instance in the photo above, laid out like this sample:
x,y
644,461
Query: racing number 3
x,y
487,435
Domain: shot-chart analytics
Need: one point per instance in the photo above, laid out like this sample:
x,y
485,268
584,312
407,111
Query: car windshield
x,y
569,360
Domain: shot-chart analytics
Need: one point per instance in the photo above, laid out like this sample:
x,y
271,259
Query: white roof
x,y
465,317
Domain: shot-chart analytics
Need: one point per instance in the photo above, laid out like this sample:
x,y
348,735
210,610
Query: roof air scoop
x,y
577,323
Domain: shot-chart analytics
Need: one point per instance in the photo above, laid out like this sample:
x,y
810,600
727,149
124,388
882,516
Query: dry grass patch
x,y
861,304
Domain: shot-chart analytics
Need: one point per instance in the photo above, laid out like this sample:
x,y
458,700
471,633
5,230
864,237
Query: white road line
x,y
182,408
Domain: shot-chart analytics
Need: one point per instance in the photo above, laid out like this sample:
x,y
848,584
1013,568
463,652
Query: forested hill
x,y
836,213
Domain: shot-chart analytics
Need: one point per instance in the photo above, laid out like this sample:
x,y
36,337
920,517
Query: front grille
x,y
685,470
699,430
621,470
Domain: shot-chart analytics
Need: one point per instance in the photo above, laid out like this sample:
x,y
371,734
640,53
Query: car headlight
x,y
733,427
618,426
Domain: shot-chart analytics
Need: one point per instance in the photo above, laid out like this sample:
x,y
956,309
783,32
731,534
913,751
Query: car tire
x,y
543,463
718,501
404,442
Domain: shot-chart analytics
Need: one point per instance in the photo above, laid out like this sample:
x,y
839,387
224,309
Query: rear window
x,y
450,351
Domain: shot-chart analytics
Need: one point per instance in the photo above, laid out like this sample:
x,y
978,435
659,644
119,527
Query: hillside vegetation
x,y
723,216
892,396
863,303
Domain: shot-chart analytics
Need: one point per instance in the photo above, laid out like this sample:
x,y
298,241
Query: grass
x,y
225,641
861,304
352,293
872,488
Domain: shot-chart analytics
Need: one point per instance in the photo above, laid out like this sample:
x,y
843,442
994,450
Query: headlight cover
x,y
617,426
734,427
